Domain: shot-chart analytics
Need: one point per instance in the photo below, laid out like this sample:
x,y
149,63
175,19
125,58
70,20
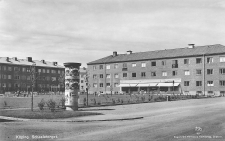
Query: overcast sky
x,y
87,30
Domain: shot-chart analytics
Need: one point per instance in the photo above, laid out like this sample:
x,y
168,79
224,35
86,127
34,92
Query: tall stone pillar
x,y
72,79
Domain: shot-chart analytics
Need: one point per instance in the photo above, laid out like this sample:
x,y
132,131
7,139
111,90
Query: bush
x,y
94,101
5,103
51,104
41,104
113,101
63,100
85,101
143,98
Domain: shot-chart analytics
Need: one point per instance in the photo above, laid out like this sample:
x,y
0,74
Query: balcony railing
x,y
174,65
124,69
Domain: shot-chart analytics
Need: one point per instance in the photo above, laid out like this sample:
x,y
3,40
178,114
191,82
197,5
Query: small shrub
x,y
118,101
128,101
41,104
94,101
85,101
99,103
121,101
51,104
113,101
143,99
5,103
63,100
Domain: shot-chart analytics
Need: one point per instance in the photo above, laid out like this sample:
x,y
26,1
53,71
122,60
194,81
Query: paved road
x,y
200,119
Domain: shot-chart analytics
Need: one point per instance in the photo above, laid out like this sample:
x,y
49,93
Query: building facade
x,y
19,75
191,70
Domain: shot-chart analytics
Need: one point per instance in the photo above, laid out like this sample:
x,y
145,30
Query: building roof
x,y
42,63
163,54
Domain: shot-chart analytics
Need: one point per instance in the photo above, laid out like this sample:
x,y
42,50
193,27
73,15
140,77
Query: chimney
x,y
129,52
191,45
43,61
7,59
114,53
15,58
29,59
54,63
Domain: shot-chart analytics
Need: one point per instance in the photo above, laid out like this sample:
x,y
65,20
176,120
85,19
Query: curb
x,y
91,120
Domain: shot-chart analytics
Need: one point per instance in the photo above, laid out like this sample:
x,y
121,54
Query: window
x,y
107,84
186,72
16,85
124,65
28,70
116,75
94,76
186,83
9,76
107,67
59,72
164,73
4,68
95,85
53,78
133,74
124,74
210,83
53,71
43,70
153,63
198,60
163,63
198,83
209,71
116,66
153,73
174,63
174,73
28,77
222,71
186,61
9,68
94,67
222,82
142,74
9,85
17,77
198,72
101,76
143,65
39,70
16,69
23,69
4,76
133,64
48,70
116,85
108,76
100,67
199,92
222,59
101,85
209,60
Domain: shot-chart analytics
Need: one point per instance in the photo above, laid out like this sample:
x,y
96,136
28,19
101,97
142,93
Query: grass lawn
x,y
46,114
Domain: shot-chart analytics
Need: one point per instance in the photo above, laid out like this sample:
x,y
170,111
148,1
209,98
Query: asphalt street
x,y
196,119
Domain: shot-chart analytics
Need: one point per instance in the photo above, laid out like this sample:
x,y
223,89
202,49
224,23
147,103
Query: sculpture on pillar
x,y
72,80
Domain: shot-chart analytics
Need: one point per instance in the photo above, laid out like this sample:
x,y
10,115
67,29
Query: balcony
x,y
174,65
124,69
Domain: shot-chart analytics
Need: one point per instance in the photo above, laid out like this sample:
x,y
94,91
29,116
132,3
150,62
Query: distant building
x,y
83,83
15,75
191,70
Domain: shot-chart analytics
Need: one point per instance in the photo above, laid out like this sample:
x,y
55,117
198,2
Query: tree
x,y
62,79
86,77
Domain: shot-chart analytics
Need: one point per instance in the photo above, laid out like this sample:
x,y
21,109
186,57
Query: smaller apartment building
x,y
191,70
16,75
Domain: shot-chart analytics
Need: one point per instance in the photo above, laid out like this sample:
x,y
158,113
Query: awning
x,y
138,85
167,84
147,85
124,85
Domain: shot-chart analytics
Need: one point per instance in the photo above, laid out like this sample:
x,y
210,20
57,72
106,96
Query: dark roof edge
x,y
31,65
157,58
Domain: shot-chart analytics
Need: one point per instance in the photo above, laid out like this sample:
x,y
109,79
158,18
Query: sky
x,y
86,30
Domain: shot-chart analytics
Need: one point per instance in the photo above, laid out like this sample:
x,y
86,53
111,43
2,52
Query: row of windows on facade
x,y
9,68
24,85
164,73
186,83
163,63
17,77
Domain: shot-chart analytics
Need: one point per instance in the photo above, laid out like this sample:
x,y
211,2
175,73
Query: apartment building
x,y
16,75
190,70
